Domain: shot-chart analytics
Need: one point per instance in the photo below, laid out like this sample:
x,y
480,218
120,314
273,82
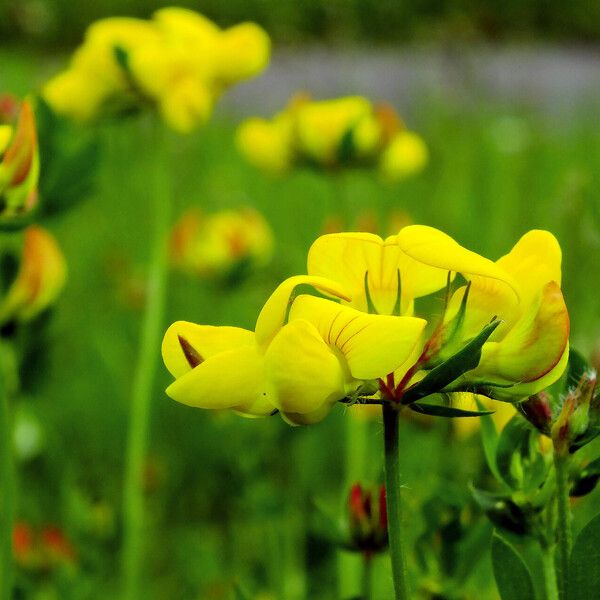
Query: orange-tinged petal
x,y
534,345
203,340
373,345
272,316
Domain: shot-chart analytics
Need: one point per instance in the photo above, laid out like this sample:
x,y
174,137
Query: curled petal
x,y
183,340
536,343
373,345
231,379
346,257
273,314
436,249
305,374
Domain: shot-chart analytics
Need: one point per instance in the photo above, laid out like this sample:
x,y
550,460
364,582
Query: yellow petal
x,y
305,374
436,249
346,257
234,378
272,316
373,345
296,419
534,346
534,261
205,340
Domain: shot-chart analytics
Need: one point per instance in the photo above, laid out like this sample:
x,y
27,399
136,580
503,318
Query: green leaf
x,y
440,410
578,365
584,569
489,439
346,150
512,575
592,432
512,445
466,359
502,511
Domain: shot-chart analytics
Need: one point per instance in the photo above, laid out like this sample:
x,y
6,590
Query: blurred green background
x,y
233,500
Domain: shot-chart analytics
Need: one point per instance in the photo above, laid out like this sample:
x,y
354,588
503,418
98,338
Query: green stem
x,y
133,494
367,577
550,589
7,498
564,533
391,421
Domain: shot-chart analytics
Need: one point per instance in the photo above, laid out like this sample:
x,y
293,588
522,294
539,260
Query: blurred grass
x,y
228,498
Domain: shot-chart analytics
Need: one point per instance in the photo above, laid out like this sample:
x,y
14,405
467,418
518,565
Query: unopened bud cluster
x,y
367,516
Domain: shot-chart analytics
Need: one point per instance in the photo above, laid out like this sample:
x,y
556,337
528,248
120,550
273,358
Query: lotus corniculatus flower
x,y
222,244
19,168
180,62
528,347
40,279
331,134
289,364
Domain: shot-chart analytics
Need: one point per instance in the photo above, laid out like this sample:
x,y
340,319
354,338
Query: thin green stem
x,y
367,577
7,490
391,422
133,495
564,532
550,588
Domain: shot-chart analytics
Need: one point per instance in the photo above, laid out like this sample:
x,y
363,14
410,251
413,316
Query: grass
x,y
232,500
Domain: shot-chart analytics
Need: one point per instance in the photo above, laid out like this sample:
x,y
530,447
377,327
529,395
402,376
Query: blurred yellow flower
x,y
180,62
40,279
301,367
216,245
19,166
329,134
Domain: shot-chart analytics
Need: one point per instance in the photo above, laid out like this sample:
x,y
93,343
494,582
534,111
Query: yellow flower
x,y
179,62
406,155
19,167
530,347
267,144
40,279
217,244
300,368
244,51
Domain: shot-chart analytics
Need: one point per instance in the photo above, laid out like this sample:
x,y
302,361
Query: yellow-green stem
x,y
564,534
141,397
367,577
7,487
550,589
391,422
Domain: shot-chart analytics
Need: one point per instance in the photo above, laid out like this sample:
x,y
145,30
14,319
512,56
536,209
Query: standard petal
x,y
534,261
200,341
303,372
273,314
234,378
436,249
534,346
346,257
373,345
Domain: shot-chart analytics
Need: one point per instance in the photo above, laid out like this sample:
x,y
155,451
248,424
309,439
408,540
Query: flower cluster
x,y
367,519
179,61
221,244
19,161
331,134
503,331
41,549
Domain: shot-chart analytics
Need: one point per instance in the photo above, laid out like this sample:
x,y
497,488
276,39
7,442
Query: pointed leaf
x,y
512,575
451,369
512,444
440,410
588,478
584,570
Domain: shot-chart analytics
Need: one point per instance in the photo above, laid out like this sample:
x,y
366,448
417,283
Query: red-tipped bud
x,y
367,519
537,410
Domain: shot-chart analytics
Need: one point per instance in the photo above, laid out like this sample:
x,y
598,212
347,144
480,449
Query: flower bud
x,y
367,516
40,279
19,168
537,410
